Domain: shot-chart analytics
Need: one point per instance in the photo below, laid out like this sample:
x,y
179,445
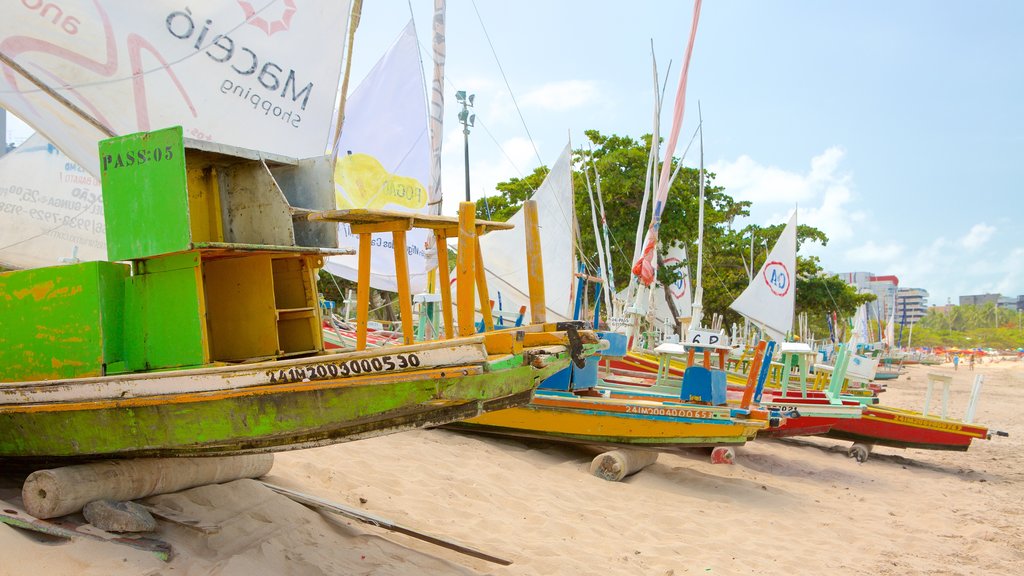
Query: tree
x,y
621,164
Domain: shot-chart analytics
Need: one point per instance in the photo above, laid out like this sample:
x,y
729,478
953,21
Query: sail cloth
x,y
384,161
261,74
504,251
50,207
679,290
644,267
770,298
234,72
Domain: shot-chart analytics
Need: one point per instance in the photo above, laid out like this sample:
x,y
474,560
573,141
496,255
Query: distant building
x,y
884,288
911,305
979,299
1004,302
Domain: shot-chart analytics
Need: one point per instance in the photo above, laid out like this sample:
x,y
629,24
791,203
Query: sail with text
x,y
230,71
504,251
770,297
50,208
383,161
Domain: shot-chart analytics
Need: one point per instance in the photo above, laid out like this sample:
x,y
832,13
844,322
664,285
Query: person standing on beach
x,y
956,361
970,362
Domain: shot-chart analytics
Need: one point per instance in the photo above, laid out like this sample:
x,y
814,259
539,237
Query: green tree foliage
x,y
621,162
982,326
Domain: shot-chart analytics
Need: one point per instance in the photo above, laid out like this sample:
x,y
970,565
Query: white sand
x,y
799,507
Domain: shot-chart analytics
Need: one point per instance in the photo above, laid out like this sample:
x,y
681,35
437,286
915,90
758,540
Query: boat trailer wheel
x,y
859,452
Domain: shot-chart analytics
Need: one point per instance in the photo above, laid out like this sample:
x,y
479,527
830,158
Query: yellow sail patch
x,y
361,181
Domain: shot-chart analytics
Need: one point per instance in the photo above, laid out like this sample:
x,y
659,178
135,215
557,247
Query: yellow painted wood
x,y
536,419
544,339
428,221
500,342
402,278
481,285
387,226
363,291
205,220
534,263
445,283
465,268
241,316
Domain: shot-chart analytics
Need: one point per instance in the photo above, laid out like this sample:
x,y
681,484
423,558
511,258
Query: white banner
x,y
50,208
770,298
261,74
384,161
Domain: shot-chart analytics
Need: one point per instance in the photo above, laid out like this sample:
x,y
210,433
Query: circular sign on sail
x,y
777,277
677,288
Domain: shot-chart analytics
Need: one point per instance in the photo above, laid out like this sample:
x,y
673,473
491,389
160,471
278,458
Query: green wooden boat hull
x,y
269,417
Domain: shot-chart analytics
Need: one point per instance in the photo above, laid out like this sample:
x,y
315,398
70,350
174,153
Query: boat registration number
x,y
344,368
675,412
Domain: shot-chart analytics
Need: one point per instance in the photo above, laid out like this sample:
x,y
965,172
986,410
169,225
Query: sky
x,y
896,127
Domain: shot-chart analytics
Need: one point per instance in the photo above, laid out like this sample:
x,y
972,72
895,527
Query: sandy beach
x,y
797,507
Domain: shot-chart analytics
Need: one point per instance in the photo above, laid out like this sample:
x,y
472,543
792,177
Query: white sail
x,y
384,161
228,71
679,289
261,74
770,298
50,207
504,252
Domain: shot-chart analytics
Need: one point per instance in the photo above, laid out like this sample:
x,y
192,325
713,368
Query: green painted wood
x,y
61,321
258,422
145,197
163,315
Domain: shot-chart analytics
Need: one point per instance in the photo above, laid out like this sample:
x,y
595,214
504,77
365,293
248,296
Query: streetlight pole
x,y
466,119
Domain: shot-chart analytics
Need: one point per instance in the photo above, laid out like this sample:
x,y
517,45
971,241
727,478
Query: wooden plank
x,y
481,285
465,268
363,291
402,278
534,263
368,518
445,283
69,527
428,221
403,225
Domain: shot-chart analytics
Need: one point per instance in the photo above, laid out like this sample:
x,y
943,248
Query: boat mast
x,y
698,292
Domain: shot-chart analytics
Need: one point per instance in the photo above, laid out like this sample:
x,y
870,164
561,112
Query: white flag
x,y
771,296
384,161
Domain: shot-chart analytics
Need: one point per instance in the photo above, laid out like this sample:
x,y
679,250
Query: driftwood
x,y
61,491
617,464
367,518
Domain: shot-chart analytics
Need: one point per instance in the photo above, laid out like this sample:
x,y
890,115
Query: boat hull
x,y
263,416
884,426
566,417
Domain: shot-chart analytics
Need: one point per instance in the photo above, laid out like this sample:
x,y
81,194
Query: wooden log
x,y
62,491
617,464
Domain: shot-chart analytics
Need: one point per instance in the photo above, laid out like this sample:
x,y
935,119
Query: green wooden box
x,y
62,321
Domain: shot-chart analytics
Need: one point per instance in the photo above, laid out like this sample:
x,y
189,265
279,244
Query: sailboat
x,y
768,302
573,405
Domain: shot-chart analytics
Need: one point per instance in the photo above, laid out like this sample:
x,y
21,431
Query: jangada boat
x,y
204,336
